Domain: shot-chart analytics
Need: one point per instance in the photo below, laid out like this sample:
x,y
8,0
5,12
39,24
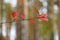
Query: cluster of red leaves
x,y
22,16
41,17
15,15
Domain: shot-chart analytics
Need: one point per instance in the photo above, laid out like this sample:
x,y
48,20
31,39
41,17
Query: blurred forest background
x,y
24,29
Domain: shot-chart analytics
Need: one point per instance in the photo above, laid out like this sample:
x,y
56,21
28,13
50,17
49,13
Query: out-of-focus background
x,y
24,29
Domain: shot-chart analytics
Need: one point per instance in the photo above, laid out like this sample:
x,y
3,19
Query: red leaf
x,y
32,21
44,19
15,15
22,16
42,15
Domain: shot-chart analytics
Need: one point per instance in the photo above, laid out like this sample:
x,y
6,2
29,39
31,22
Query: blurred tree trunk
x,y
58,1
26,24
8,19
51,16
32,26
18,22
1,1
33,13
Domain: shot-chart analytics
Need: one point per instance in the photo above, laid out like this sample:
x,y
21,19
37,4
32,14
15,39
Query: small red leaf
x,y
32,21
42,15
15,15
44,19
22,16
